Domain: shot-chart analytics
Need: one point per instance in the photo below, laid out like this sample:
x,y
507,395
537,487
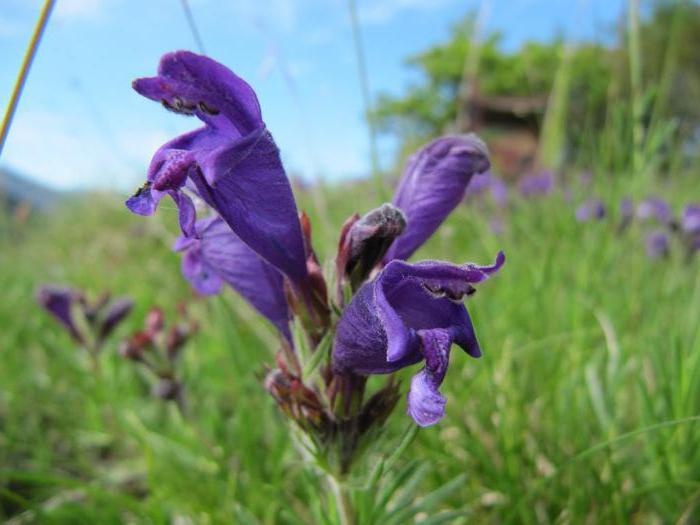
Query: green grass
x,y
580,411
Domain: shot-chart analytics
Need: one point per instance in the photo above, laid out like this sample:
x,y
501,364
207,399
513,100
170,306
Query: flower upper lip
x,y
232,161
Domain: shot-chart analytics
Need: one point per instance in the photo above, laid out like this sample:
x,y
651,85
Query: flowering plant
x,y
379,315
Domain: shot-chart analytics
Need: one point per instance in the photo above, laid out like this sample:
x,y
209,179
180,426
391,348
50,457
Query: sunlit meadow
x,y
583,408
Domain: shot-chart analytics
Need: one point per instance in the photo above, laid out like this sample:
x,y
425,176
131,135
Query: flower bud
x,y
365,241
155,320
176,339
167,389
62,304
297,400
134,347
116,313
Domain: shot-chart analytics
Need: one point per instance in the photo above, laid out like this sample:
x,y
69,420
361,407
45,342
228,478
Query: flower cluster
x,y
157,351
89,323
666,226
384,313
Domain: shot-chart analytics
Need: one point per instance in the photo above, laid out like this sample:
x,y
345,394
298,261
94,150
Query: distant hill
x,y
16,189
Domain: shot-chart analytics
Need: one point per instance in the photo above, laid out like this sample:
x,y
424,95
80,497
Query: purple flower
x,y
61,302
690,221
407,314
654,208
657,244
115,314
536,184
482,183
364,241
231,162
479,185
433,184
499,192
215,255
70,308
592,209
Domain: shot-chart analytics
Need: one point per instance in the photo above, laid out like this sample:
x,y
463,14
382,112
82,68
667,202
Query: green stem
x,y
343,504
635,63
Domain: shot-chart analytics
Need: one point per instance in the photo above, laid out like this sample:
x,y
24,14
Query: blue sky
x,y
80,125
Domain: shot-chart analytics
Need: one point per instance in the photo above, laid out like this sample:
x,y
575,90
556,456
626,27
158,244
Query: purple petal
x,y
426,405
626,208
655,208
196,85
690,221
246,184
499,192
143,202
657,244
432,185
116,313
232,161
187,215
59,302
218,255
592,209
201,275
478,185
537,184
378,332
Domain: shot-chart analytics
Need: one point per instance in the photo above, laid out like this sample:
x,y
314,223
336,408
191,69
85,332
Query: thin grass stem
x,y
24,70
366,98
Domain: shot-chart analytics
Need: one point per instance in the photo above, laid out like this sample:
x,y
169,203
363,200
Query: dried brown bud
x,y
365,241
155,320
167,389
176,339
297,401
134,347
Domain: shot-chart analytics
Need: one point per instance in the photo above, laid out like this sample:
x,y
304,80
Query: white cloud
x,y
64,151
21,15
72,9
9,28
382,11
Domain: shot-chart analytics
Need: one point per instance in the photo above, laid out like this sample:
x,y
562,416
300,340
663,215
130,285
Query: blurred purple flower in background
x,y
585,178
690,228
626,214
536,184
433,184
657,244
480,184
591,210
411,313
655,208
499,191
690,220
60,303
88,323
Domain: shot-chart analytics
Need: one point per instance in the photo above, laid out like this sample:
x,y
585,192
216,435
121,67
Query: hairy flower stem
x,y
342,500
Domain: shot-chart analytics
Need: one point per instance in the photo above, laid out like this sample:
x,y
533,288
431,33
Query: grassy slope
x,y
584,338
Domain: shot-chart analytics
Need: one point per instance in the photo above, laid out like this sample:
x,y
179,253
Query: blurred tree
x,y
670,61
597,80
